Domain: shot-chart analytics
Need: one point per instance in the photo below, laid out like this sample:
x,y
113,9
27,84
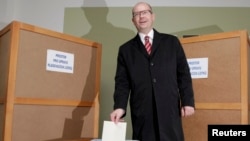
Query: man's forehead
x,y
141,6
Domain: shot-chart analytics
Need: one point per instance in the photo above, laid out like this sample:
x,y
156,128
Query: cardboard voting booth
x,y
49,85
222,96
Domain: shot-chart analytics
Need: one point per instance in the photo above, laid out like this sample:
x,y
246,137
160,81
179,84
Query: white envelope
x,y
114,132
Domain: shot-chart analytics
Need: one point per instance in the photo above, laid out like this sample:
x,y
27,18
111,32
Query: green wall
x,y
112,27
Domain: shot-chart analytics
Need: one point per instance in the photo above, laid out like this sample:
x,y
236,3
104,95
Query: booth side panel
x,y
42,83
5,40
218,97
223,82
52,123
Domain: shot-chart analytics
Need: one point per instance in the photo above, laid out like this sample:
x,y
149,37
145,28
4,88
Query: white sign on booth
x,y
60,61
198,67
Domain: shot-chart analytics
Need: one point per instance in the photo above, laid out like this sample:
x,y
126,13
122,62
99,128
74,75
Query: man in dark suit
x,y
158,84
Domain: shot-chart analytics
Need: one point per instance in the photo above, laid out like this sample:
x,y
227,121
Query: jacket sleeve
x,y
122,84
184,77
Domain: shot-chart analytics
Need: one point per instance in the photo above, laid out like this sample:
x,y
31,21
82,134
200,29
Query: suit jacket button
x,y
154,80
151,64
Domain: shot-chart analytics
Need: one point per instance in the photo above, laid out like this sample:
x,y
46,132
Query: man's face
x,y
143,18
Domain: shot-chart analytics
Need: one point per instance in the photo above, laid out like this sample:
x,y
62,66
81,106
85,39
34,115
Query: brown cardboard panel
x,y
1,119
34,81
4,62
42,105
227,83
40,123
195,127
248,58
223,82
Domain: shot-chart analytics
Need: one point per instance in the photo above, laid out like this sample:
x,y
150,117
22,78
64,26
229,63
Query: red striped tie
x,y
147,44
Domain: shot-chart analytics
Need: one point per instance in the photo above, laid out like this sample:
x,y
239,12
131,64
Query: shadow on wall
x,y
111,37
76,126
79,125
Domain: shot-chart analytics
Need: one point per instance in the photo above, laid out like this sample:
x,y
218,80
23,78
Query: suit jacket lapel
x,y
156,41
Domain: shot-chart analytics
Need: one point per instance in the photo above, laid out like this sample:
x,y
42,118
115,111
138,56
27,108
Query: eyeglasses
x,y
143,13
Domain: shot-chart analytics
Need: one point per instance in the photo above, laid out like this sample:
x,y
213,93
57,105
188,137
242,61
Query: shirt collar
x,y
150,34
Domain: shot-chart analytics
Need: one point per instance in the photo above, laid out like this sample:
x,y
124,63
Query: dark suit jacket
x,y
157,84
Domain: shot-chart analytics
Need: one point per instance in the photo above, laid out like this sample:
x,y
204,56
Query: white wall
x,y
50,13
6,12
